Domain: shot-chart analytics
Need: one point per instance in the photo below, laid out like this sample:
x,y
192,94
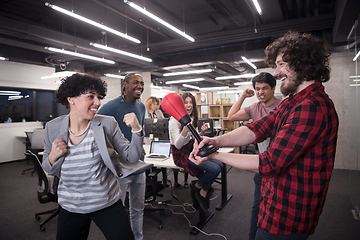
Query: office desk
x,y
169,163
225,197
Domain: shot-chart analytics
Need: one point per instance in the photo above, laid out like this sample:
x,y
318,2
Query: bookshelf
x,y
218,112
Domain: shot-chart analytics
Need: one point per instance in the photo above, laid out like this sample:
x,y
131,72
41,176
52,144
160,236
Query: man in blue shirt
x,y
129,101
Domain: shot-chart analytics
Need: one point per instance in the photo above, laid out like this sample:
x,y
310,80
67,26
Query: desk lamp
x,y
173,105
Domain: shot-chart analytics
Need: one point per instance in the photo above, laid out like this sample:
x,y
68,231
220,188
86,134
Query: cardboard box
x,y
225,100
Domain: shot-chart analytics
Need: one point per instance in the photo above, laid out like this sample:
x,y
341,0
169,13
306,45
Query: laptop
x,y
159,150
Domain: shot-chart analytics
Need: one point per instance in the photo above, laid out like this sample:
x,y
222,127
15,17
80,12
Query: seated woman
x,y
182,144
152,108
84,151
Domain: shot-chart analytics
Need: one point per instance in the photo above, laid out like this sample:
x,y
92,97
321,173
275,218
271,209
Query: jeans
x,y
135,185
255,207
113,222
262,234
176,174
211,170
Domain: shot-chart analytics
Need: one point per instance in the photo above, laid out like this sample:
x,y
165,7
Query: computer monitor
x,y
157,128
210,131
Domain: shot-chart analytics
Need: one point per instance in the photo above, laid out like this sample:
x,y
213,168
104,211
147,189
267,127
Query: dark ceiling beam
x,y
284,9
28,33
347,11
28,56
247,15
118,11
245,34
222,11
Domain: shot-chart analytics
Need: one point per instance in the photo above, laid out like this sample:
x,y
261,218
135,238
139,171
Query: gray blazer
x,y
120,156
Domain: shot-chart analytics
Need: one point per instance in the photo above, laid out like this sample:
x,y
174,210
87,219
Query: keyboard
x,y
152,155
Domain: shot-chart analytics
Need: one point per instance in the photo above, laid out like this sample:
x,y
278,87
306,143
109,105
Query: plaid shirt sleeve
x,y
303,127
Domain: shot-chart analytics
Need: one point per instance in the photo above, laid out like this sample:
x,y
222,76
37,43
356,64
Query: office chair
x,y
153,187
28,147
43,190
35,144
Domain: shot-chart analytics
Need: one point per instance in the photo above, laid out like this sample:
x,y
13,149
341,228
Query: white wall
x,y
12,146
21,75
26,76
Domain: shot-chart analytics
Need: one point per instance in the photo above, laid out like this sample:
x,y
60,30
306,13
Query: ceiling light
x,y
214,88
230,91
355,76
187,72
191,86
257,6
15,97
249,75
248,62
121,52
80,55
356,57
185,80
71,14
9,93
177,66
3,59
166,90
59,75
159,20
242,83
114,75
200,64
157,87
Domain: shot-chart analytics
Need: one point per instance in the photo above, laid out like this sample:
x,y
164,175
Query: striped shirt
x,y
86,184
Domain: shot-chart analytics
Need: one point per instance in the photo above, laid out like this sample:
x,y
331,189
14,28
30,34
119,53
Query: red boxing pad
x,y
173,105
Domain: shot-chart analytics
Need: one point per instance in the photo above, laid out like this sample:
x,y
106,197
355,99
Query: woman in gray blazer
x,y
87,152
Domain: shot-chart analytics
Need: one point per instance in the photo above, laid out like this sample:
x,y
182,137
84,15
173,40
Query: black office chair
x,y
28,147
43,191
34,143
210,132
153,187
44,188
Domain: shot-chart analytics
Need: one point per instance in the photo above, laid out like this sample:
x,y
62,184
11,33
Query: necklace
x,y
78,135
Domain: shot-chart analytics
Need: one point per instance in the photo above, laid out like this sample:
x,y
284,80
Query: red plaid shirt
x,y
297,166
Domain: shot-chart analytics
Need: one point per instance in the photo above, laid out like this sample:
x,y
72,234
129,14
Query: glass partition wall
x,y
354,83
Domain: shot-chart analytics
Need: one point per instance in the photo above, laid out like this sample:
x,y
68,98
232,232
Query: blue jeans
x,y
262,234
211,170
135,185
255,207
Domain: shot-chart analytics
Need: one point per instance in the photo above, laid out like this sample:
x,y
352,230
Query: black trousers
x,y
113,221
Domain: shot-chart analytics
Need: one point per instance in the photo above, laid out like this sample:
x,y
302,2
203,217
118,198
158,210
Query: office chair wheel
x,y
37,218
42,228
161,227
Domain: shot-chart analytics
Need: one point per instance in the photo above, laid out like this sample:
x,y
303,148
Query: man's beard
x,y
291,86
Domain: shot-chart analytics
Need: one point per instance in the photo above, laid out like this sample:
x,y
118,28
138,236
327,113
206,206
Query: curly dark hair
x,y
264,77
306,54
78,84
194,113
